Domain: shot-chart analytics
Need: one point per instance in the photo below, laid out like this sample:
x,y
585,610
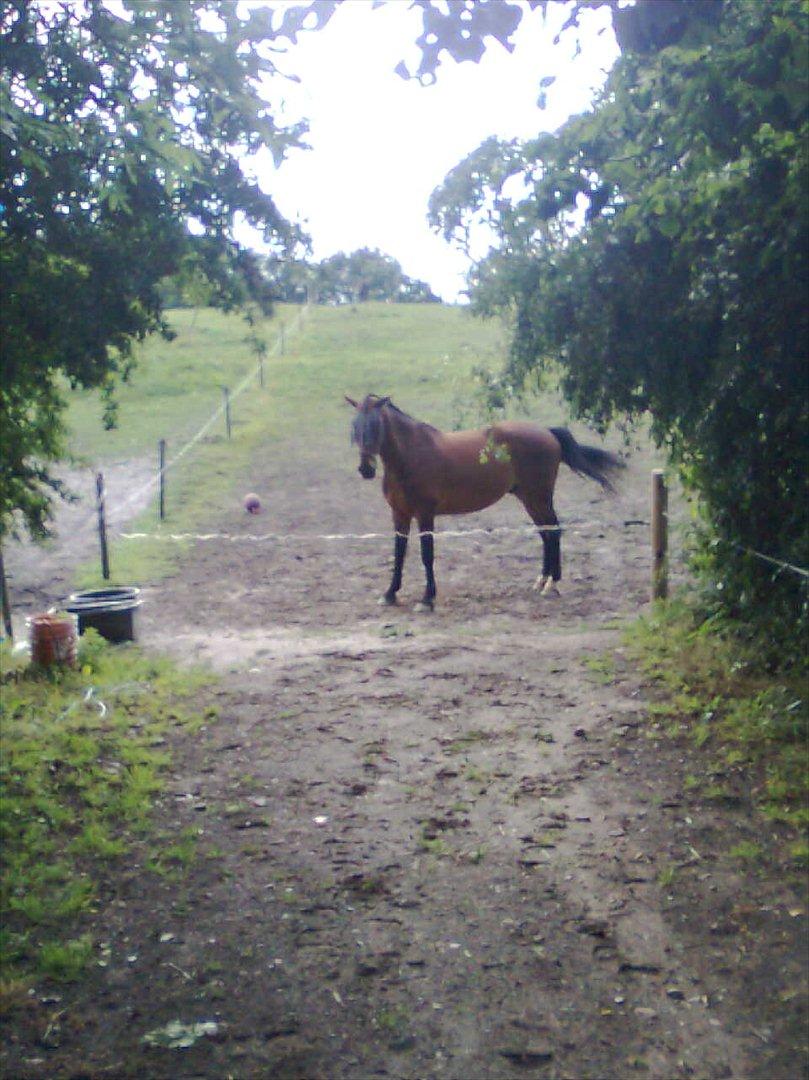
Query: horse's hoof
x,y
424,605
387,601
541,583
550,588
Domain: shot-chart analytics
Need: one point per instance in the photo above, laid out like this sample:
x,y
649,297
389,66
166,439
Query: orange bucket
x,y
53,640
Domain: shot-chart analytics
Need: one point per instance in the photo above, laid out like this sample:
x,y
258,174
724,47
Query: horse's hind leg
x,y
401,524
543,515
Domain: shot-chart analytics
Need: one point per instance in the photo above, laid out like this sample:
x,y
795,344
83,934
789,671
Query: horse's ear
x,y
382,402
351,401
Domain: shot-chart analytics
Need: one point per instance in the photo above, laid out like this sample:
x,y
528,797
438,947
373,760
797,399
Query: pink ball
x,y
252,503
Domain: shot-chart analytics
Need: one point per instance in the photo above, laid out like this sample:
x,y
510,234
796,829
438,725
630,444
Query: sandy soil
x,y
442,845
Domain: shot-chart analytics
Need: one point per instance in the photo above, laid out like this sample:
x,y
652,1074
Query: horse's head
x,y
367,431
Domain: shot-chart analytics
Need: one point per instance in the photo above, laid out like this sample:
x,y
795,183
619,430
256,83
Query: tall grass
x,y
746,722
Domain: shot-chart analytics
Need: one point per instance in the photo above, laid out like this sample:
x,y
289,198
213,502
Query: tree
x,y
362,275
366,274
127,131
127,134
658,252
291,279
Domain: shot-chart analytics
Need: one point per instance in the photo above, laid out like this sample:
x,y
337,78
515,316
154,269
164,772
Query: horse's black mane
x,y
390,405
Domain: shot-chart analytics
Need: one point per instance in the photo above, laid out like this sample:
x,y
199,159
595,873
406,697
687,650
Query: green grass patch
x,y
468,739
433,846
739,715
667,875
601,669
799,854
746,851
65,961
78,777
169,860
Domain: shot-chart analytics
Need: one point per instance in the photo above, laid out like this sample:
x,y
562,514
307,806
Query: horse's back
x,y
528,436
464,477
534,452
501,457
459,472
467,446
462,448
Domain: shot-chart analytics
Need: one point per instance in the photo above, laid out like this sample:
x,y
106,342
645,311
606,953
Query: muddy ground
x,y
430,845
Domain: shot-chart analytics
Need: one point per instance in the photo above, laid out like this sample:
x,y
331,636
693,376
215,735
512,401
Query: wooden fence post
x,y
9,629
226,392
261,372
161,479
660,520
102,527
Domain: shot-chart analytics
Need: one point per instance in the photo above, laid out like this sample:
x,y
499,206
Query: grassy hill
x,y
423,355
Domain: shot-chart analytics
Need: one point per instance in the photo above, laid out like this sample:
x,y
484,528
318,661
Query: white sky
x,y
381,144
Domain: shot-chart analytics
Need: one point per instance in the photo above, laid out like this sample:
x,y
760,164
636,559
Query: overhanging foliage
x,y
658,249
125,130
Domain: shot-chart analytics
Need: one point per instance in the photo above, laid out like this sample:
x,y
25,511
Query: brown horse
x,y
430,472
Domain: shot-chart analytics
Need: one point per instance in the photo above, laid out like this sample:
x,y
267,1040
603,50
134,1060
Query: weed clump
x,y
742,715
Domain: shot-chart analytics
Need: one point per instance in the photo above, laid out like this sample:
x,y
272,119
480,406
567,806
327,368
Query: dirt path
x,y
443,845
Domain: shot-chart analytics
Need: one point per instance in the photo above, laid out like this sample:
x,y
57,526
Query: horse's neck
x,y
402,435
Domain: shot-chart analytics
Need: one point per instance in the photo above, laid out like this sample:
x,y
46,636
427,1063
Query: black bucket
x,y
109,611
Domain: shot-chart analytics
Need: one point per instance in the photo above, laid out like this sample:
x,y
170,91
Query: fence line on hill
x,y
119,508
222,409
99,516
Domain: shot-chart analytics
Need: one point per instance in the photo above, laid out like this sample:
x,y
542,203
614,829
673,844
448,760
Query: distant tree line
x,y
365,274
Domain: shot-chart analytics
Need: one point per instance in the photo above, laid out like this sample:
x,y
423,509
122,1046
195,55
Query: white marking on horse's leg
x,y
420,607
384,602
550,588
541,582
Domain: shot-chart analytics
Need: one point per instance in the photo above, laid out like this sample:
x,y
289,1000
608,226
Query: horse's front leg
x,y
401,524
427,537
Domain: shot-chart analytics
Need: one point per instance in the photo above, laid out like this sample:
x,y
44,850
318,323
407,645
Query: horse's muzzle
x,y
366,470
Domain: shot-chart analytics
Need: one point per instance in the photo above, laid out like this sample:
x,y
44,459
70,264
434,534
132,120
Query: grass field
x,y
424,353
175,387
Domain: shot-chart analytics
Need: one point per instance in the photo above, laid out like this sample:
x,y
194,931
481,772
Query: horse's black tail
x,y
589,461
